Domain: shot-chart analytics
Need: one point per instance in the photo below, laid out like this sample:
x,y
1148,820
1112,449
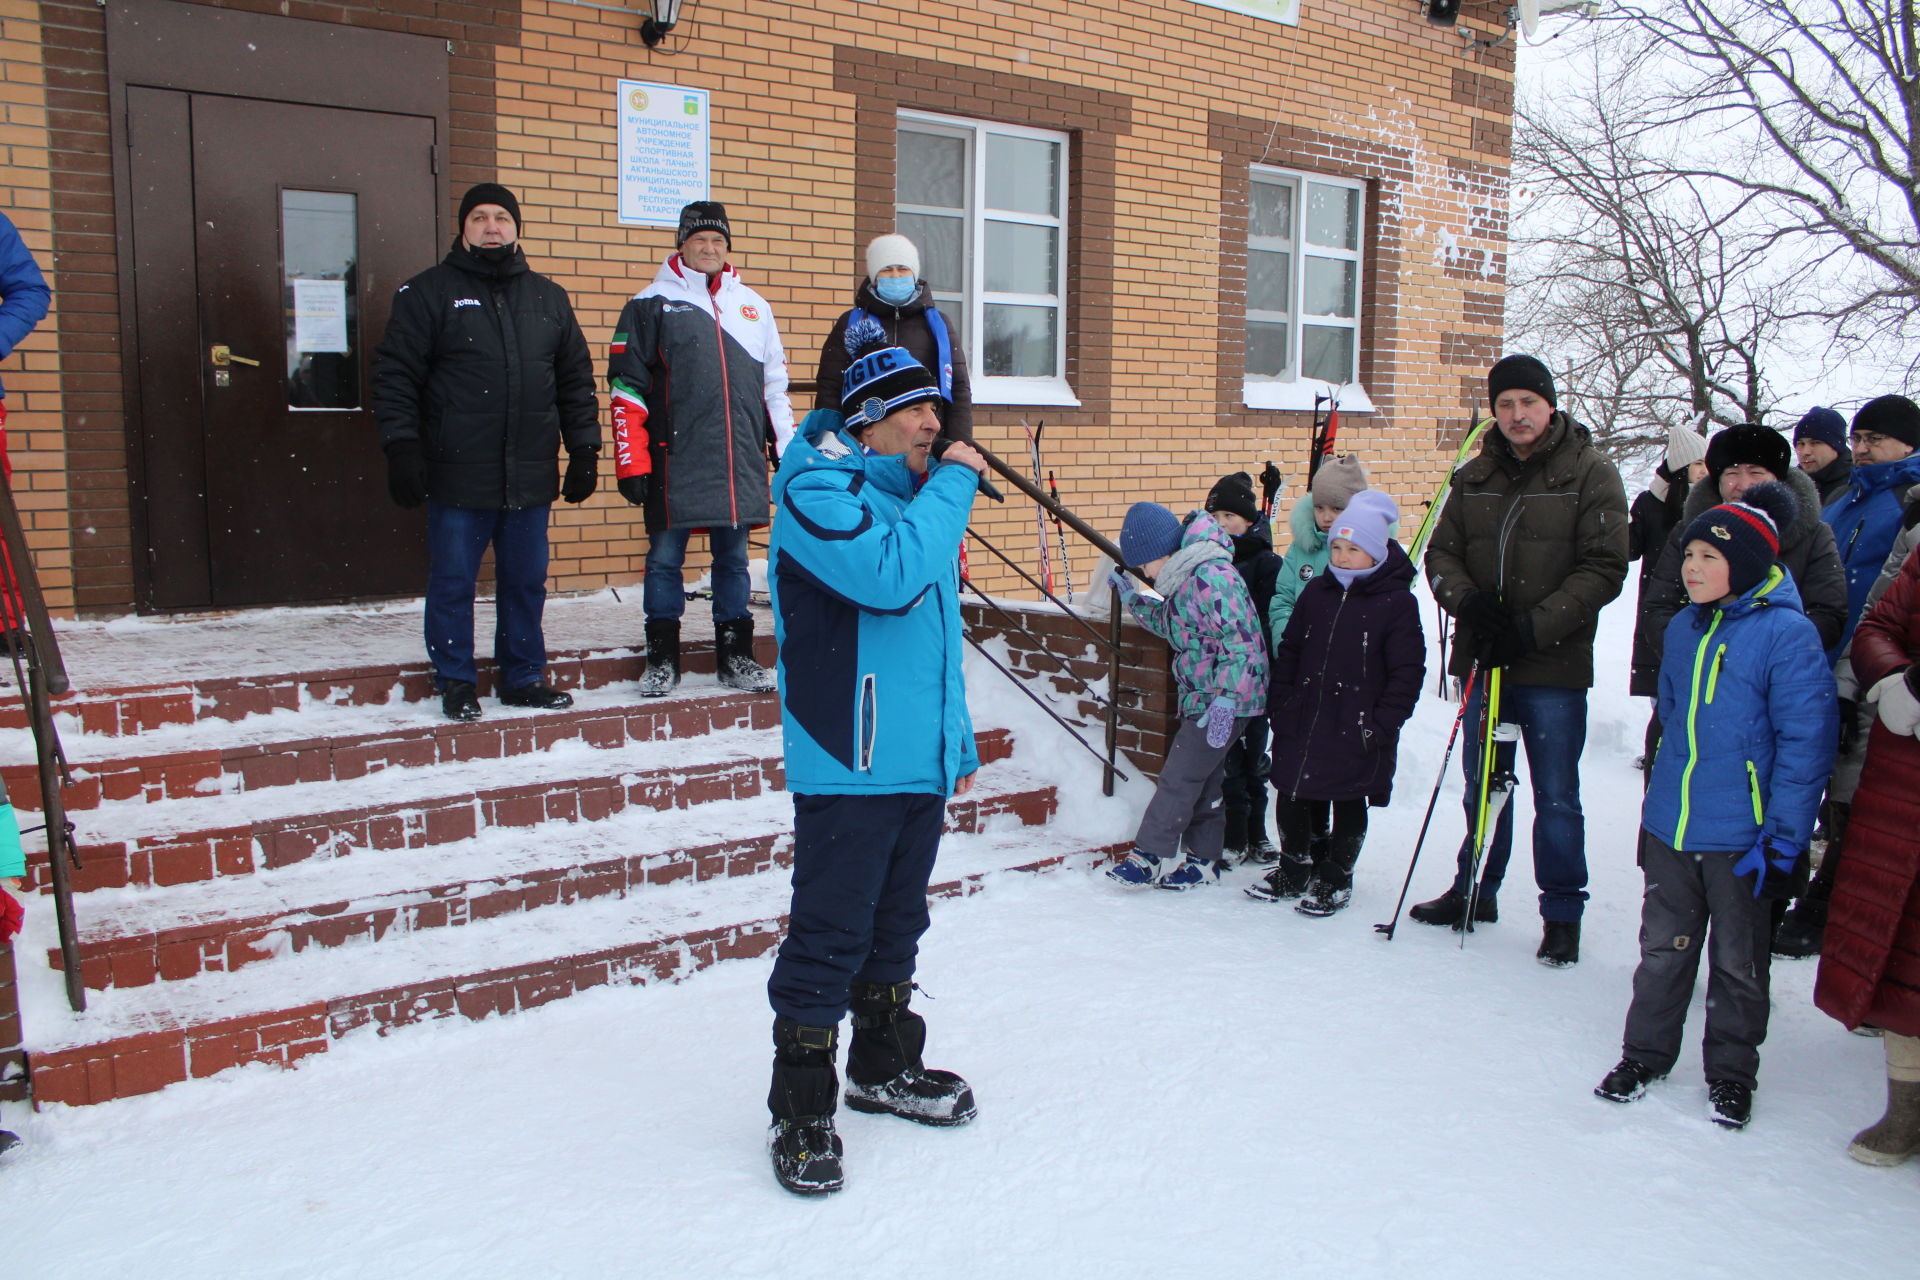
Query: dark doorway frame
x,y
200,49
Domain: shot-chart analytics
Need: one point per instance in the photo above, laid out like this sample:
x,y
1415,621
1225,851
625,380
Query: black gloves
x,y
634,489
407,473
1514,642
1499,638
1483,614
583,475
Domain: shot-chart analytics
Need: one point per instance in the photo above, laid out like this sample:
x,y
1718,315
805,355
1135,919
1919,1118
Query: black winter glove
x,y
1483,613
407,473
634,489
1512,643
1849,726
583,475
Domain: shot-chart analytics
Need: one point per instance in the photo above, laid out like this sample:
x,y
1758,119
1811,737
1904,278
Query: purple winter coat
x,y
1345,678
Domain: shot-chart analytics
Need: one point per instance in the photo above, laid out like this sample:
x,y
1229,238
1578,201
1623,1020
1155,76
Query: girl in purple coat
x,y
1345,676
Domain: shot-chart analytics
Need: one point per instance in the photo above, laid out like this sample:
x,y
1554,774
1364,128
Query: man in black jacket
x,y
482,375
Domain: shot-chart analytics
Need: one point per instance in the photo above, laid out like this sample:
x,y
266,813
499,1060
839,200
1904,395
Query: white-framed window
x,y
1304,267
987,206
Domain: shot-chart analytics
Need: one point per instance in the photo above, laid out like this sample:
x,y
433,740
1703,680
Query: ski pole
x,y
1446,760
1060,532
1040,517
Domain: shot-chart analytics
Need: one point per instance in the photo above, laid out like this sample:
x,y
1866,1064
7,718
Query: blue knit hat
x,y
1746,532
881,377
1149,532
1365,522
1824,425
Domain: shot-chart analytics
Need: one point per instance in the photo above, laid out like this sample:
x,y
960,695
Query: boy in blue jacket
x,y
1752,721
873,708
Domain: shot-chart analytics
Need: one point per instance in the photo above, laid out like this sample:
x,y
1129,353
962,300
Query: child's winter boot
x,y
1138,869
805,1149
1191,874
885,1073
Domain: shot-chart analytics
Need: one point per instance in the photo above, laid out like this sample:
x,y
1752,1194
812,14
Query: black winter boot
x,y
885,1074
1332,886
805,1149
1259,848
1559,944
1288,879
663,658
1801,933
1450,908
733,654
1234,842
1627,1081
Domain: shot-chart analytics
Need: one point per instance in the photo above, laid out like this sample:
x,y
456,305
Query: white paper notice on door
x,y
320,315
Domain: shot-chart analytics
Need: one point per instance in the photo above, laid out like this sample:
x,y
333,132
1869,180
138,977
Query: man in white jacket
x,y
699,385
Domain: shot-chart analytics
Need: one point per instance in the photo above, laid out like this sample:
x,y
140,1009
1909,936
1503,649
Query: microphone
x,y
987,486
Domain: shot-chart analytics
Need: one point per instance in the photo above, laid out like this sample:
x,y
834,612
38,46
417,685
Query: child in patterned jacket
x,y
1201,607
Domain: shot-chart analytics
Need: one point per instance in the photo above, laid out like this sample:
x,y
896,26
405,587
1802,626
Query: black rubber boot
x,y
805,1149
734,660
885,1073
663,658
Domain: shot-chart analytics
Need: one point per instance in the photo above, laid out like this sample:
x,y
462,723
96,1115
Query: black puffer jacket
x,y
487,368
907,326
1807,553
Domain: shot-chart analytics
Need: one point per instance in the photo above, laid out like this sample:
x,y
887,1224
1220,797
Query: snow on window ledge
x,y
1018,391
1268,393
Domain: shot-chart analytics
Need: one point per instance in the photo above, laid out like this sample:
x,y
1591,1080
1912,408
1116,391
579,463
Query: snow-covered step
x,y
288,748
144,1038
136,937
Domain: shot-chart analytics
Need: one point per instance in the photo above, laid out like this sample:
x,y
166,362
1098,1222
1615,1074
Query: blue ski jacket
x,y
1866,520
1751,722
24,296
866,600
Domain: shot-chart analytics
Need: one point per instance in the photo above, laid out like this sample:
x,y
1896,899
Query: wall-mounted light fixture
x,y
1443,13
656,25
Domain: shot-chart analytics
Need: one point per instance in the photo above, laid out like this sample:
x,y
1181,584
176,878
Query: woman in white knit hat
x,y
1656,511
896,296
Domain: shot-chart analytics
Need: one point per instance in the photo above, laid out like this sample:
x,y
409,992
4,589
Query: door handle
x,y
222,356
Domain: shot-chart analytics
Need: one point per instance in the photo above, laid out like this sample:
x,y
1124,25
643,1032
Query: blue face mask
x,y
895,290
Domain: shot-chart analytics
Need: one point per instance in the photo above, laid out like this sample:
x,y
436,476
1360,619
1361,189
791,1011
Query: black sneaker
x,y
459,702
1288,879
1559,944
538,695
1450,908
1627,1081
806,1155
1731,1103
917,1094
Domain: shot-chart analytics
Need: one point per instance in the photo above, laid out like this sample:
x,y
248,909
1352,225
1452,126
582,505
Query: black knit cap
x,y
1894,416
703,215
1746,532
1234,493
1749,443
1521,373
490,193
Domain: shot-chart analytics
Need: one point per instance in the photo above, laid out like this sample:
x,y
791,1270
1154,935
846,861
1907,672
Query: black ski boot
x,y
885,1074
1332,886
1559,944
1627,1081
1288,879
1450,909
734,660
663,658
1233,844
805,1150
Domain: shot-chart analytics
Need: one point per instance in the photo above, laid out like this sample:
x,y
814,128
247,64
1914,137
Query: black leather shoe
x,y
459,702
538,695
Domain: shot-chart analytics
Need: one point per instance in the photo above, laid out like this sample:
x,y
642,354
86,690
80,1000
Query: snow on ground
x,y
1171,1085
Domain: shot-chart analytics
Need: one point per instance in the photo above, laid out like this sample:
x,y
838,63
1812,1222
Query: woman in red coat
x,y
1870,964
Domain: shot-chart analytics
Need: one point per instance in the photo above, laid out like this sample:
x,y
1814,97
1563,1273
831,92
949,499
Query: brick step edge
x,y
127,1066
186,775
182,857
122,711
215,946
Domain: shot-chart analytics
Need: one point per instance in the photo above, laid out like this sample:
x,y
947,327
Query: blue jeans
x,y
665,594
1553,728
456,539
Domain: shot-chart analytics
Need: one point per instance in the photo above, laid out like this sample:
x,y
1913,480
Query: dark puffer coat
x,y
1259,567
1833,479
488,369
907,326
1807,553
1549,534
1345,679
1870,957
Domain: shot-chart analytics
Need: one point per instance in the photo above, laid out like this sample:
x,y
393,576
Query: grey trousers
x,y
1185,808
1684,892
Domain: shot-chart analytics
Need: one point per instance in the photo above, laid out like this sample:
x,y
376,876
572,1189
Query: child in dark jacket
x,y
1751,723
1244,789
1201,608
1344,680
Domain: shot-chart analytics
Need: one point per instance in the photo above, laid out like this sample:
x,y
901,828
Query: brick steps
x,y
280,1013
172,842
137,938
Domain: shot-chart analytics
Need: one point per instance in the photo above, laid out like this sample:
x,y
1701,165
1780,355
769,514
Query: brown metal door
x,y
265,480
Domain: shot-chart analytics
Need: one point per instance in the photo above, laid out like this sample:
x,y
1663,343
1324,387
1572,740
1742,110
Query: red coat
x,y
1870,958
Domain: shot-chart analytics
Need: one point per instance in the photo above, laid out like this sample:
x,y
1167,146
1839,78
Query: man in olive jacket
x,y
1531,545
483,374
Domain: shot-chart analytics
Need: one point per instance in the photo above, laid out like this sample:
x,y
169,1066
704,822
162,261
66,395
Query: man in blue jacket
x,y
24,298
864,556
1866,518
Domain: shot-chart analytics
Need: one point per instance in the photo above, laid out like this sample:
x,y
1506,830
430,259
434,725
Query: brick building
x,y
1183,219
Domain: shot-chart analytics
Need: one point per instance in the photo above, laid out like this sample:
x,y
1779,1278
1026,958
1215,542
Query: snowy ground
x,y
1170,1085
